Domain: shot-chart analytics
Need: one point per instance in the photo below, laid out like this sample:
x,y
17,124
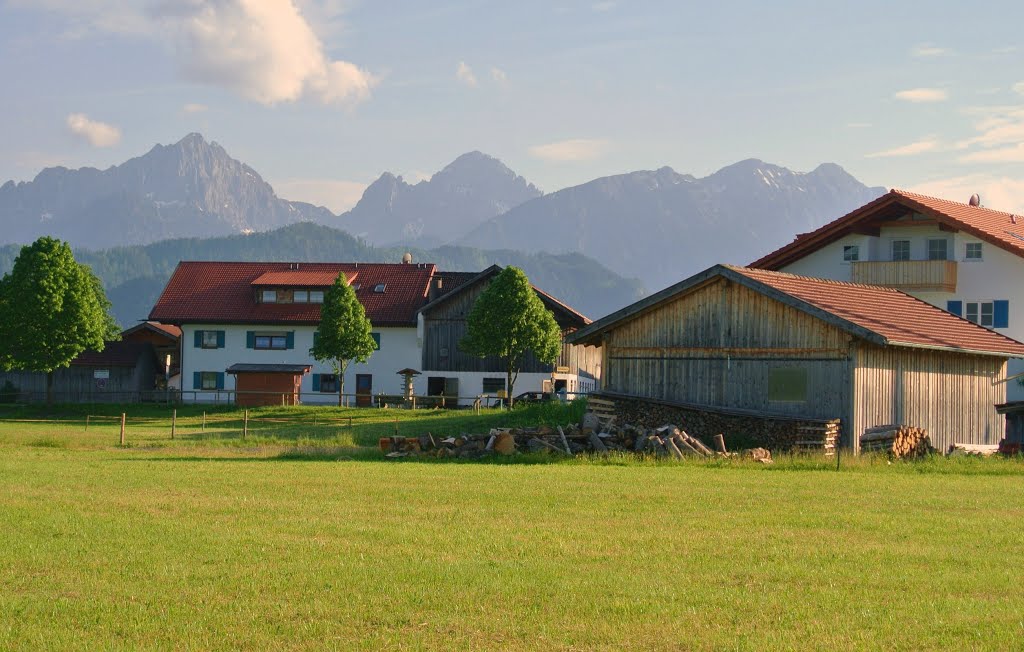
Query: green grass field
x,y
303,537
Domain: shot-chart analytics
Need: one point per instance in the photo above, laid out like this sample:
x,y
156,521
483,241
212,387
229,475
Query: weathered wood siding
x,y
718,346
444,326
78,385
951,395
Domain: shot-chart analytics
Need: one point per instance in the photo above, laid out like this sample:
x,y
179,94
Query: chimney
x,y
975,200
436,288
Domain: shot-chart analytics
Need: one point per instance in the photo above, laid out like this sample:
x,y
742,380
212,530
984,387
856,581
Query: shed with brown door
x,y
268,384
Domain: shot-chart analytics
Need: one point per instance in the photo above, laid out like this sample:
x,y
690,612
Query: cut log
x,y
595,441
565,442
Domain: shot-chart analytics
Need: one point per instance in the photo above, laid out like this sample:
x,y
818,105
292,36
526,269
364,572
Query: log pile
x,y
774,433
664,441
896,440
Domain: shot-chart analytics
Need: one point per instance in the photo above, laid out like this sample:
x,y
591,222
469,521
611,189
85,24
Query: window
x,y
301,296
269,296
851,253
356,286
494,385
209,380
316,296
325,383
787,384
901,249
271,342
990,314
972,251
380,287
376,341
938,249
209,339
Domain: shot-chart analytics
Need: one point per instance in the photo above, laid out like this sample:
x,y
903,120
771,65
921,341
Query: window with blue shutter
x,y
955,307
316,382
220,339
289,340
250,339
197,380
1000,313
198,340
376,341
220,380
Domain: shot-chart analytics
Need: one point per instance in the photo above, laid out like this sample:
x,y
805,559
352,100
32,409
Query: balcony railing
x,y
911,275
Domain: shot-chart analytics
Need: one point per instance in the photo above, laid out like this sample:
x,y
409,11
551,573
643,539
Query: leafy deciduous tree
x,y
51,309
344,331
509,319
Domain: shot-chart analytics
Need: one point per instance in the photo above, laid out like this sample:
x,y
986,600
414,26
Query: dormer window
x,y
972,251
316,296
300,296
269,296
380,287
851,253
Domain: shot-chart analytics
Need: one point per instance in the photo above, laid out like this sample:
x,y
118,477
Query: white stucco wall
x,y
397,350
998,275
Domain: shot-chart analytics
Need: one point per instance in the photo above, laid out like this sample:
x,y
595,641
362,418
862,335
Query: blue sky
x,y
321,96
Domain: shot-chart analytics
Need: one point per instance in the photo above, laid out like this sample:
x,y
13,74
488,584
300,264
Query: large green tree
x,y
344,331
508,320
51,309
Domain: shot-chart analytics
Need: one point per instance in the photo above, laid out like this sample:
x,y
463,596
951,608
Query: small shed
x,y
268,384
786,345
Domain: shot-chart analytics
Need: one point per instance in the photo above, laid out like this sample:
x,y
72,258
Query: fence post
x,y
350,425
174,422
245,425
396,426
122,428
204,420
87,423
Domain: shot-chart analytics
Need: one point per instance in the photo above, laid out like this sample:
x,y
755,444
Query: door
x,y
364,390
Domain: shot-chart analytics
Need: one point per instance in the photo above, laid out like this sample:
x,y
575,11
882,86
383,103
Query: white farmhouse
x,y
247,327
963,258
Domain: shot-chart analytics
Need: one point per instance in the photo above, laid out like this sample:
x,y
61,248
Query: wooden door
x,y
364,390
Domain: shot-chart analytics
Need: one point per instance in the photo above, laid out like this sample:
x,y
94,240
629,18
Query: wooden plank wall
x,y
717,346
444,326
951,395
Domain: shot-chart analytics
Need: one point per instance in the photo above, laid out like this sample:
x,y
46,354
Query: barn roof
x,y
568,314
223,292
884,316
166,330
1003,230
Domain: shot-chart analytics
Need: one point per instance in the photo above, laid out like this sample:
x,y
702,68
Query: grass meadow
x,y
301,536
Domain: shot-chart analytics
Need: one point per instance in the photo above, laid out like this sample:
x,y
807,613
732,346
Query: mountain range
x,y
657,226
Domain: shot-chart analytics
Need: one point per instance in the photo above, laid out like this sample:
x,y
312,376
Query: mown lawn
x,y
207,545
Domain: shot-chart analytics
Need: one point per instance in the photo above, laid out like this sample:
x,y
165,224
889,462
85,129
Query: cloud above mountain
x,y
575,149
94,132
264,50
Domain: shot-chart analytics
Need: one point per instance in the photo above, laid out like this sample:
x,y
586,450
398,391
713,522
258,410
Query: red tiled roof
x,y
172,332
1001,229
894,315
222,292
301,278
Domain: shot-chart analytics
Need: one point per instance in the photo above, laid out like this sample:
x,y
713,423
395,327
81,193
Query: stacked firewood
x,y
595,435
775,433
896,440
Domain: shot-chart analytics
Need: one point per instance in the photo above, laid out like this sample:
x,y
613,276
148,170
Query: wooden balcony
x,y
909,275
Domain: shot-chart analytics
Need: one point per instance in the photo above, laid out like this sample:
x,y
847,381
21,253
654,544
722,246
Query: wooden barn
x,y
779,344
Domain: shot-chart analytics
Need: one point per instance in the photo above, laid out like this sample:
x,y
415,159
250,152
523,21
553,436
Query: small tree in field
x,y
344,331
509,319
51,309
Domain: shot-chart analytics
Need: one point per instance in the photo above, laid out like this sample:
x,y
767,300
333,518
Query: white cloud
x,y
1000,136
194,108
498,75
1019,88
922,95
1000,193
579,149
465,74
265,50
97,134
1013,154
929,144
925,51
335,194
